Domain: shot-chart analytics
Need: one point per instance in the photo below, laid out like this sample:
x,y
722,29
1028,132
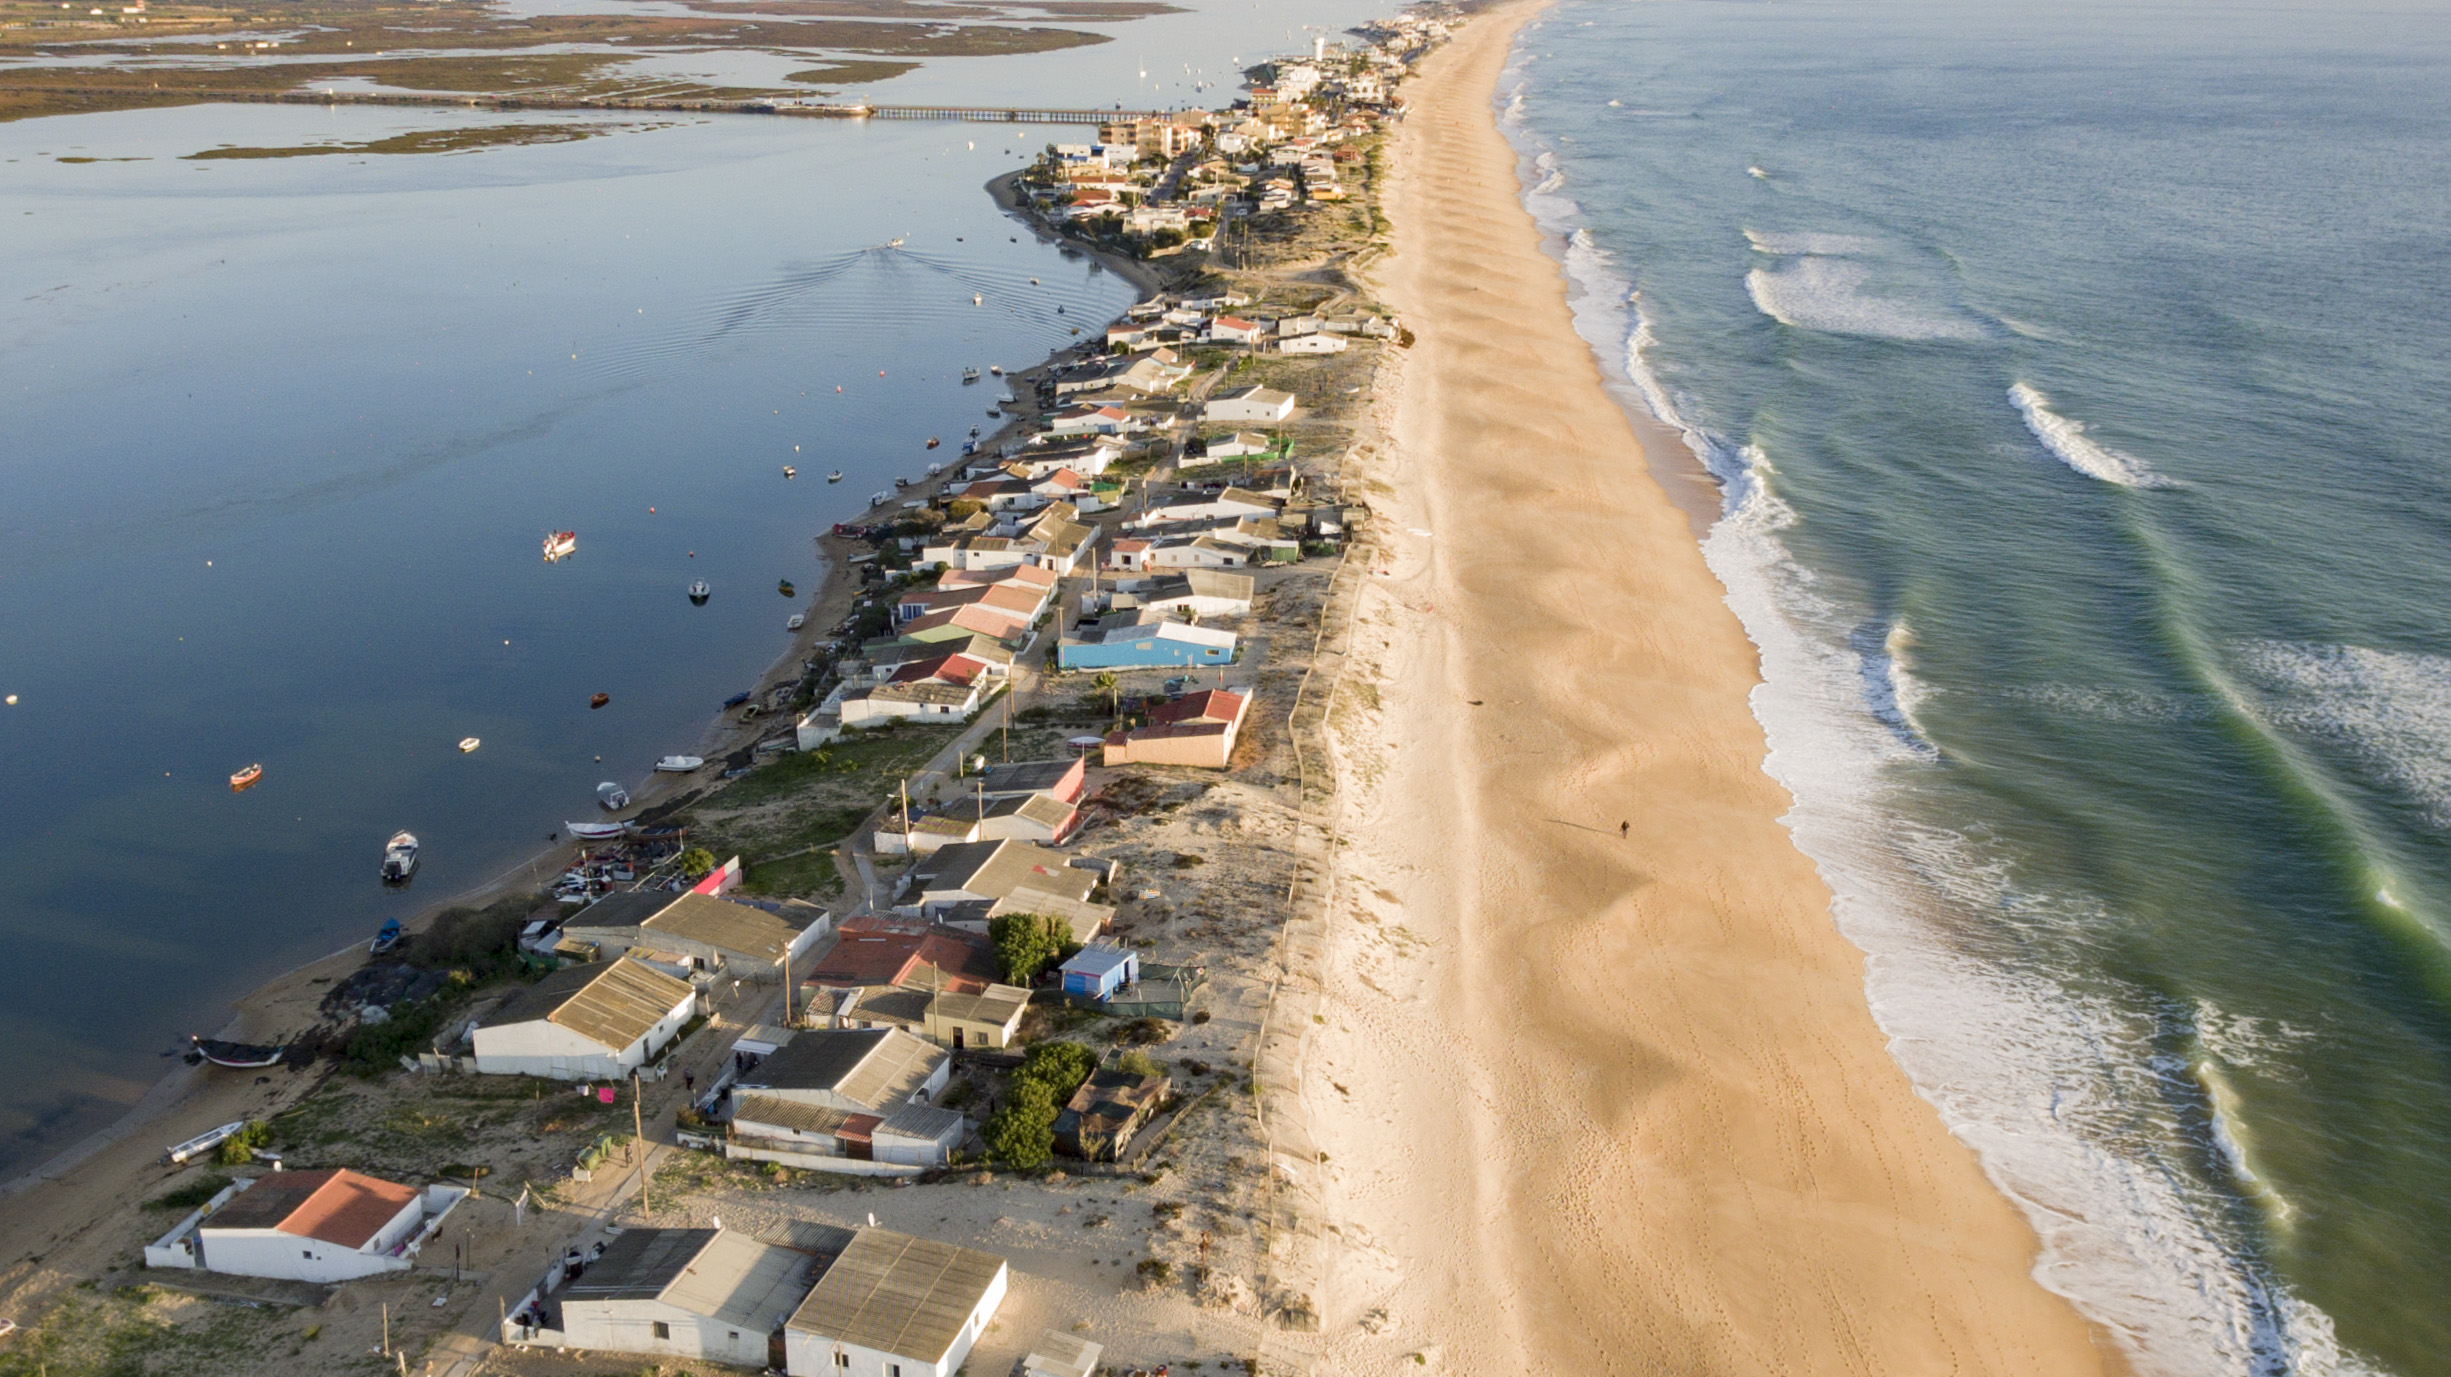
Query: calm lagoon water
x,y
2076,377
282,438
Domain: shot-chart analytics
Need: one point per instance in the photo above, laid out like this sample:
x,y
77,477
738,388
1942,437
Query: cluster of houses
x,y
1168,181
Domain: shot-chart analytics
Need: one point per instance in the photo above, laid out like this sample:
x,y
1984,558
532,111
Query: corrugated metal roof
x,y
639,1264
725,1276
921,1121
871,1066
612,1005
999,1005
782,1113
897,1294
752,932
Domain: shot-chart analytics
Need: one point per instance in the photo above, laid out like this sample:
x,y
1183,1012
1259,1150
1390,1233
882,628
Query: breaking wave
x,y
1831,295
2389,710
2067,441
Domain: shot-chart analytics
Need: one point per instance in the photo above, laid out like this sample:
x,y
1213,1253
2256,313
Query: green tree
x,y
1108,684
697,861
1022,1132
1027,943
1058,1067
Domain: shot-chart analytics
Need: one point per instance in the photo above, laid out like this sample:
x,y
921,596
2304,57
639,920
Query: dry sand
x,y
1590,1103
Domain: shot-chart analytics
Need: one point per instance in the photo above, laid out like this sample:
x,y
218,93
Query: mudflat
x,y
1597,1081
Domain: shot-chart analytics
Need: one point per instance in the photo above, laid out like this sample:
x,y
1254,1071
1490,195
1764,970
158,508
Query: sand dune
x,y
1594,1103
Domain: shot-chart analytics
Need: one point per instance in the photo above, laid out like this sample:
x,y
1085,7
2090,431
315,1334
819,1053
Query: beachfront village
x,y
939,1022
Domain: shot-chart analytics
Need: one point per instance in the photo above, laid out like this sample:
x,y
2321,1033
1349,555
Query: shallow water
x,y
2076,379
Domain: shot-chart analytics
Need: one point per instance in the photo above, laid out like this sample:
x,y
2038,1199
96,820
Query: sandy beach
x,y
1596,1076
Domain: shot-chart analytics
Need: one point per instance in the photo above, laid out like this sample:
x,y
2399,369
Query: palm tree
x,y
1108,683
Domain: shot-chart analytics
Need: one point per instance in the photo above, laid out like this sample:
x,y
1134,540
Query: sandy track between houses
x,y
1593,1103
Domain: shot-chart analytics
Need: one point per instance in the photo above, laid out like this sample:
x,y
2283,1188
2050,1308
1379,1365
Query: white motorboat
x,y
798,620
595,831
559,544
679,764
612,796
699,592
399,856
469,743
835,477
970,375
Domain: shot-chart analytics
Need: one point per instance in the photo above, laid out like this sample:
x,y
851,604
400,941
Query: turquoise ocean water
x,y
2078,381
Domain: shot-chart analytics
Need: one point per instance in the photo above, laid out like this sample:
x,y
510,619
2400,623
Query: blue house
x,y
1128,642
1096,972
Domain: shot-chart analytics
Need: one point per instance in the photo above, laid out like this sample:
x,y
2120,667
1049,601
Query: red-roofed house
x,y
1235,329
320,1226
883,951
1196,729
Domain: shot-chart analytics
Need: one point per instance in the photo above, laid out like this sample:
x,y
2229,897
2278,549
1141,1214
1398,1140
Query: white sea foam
x,y
1833,296
2067,441
2118,704
2391,710
1806,242
2039,1079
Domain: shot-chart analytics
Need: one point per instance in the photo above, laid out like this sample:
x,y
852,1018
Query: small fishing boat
x,y
399,857
385,940
595,831
242,1056
737,699
996,368
879,499
835,477
612,796
679,764
969,447
469,743
699,592
559,544
783,586
977,300
970,375
994,415
205,1142
933,442
901,483
597,700
790,472
245,779
936,467
798,620
1059,310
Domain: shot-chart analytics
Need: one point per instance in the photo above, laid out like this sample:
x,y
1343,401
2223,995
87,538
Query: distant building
x,y
1197,729
698,931
586,1023
1098,1122
1262,404
1097,971
849,1101
1144,639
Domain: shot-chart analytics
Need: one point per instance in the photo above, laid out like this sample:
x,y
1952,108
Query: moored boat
x,y
699,592
597,700
385,940
790,472
399,857
469,743
737,699
559,545
612,796
243,1056
784,587
679,764
796,621
246,778
933,442
204,1142
595,831
835,477
970,375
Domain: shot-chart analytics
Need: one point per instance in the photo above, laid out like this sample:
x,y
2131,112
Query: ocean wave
x,y
1830,296
1786,244
2391,710
1891,690
2118,704
2066,440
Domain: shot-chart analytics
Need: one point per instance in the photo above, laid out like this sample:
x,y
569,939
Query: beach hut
x,y
1096,972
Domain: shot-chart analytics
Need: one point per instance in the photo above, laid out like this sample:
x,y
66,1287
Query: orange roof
x,y
1207,706
335,1206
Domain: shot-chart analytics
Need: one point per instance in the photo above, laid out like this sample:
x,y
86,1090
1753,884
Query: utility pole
x,y
638,1126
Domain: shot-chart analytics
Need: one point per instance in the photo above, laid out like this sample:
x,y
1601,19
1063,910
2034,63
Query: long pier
x,y
766,105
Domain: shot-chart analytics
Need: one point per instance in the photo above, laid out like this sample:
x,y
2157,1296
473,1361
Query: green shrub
x,y
697,861
239,1148
1058,1066
1028,943
1022,1133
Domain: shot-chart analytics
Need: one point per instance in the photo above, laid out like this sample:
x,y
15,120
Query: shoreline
x,y
1690,1148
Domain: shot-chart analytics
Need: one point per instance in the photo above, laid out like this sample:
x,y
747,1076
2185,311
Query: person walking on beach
x,y
1623,829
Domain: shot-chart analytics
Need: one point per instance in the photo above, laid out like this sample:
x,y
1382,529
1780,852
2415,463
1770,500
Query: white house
x,y
924,702
846,1100
585,1023
710,1295
1235,330
894,1306
319,1226
1312,344
1262,404
697,931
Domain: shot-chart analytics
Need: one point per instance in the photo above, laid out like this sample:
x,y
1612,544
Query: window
x,y
662,1330
893,1370
307,1253
842,1360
